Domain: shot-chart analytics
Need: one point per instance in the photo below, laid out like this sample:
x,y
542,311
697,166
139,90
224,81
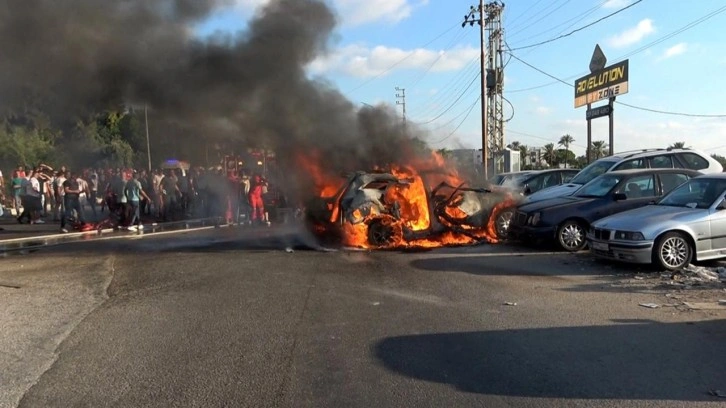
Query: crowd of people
x,y
127,196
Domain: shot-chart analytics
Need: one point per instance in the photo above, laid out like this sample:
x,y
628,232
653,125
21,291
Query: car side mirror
x,y
620,196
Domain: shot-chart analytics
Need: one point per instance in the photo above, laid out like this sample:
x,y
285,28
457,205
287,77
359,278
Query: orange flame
x,y
413,205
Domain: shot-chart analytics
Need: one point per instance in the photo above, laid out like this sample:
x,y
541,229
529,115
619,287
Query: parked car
x,y
503,178
641,159
687,224
567,219
529,182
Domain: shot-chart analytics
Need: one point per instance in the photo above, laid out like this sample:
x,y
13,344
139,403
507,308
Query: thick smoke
x,y
83,55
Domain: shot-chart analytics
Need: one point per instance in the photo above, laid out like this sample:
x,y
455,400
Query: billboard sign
x,y
602,84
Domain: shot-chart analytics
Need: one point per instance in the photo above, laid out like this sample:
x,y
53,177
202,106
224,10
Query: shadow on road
x,y
532,263
639,360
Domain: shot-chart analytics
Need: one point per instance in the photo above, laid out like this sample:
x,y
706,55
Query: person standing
x,y
93,183
170,193
58,206
72,201
258,188
134,193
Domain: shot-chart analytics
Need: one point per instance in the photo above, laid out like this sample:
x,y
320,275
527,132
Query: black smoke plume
x,y
250,88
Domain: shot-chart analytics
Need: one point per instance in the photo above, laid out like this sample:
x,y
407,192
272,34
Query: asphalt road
x,y
223,318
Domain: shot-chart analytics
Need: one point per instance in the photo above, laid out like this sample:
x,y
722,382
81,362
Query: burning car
x,y
395,209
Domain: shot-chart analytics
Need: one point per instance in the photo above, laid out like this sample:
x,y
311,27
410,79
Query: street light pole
x,y
148,143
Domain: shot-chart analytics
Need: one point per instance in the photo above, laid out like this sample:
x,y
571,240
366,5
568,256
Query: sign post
x,y
602,83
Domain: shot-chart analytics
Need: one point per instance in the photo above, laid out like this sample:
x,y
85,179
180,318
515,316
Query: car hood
x,y
562,190
552,202
641,218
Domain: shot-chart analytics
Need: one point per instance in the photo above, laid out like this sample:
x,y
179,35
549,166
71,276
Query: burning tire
x,y
384,232
502,220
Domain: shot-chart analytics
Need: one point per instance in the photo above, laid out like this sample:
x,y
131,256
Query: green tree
x,y
678,145
21,145
566,141
550,154
720,159
514,145
598,149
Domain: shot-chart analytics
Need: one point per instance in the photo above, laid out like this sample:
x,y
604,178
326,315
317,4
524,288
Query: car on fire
x,y
567,219
688,224
376,206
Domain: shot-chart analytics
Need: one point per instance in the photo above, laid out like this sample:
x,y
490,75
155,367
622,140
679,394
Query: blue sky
x,y
420,45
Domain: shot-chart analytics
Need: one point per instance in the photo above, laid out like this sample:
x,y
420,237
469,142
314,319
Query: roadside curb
x,y
43,241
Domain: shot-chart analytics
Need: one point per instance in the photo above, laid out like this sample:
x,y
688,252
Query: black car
x,y
566,219
531,181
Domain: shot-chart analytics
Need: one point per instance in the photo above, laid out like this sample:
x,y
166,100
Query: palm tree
x,y
550,153
566,141
514,145
523,152
598,148
678,145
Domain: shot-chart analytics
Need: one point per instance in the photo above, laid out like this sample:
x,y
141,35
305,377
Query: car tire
x,y
502,221
672,251
384,232
571,236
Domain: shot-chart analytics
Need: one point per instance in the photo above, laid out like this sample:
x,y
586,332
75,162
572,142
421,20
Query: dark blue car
x,y
565,220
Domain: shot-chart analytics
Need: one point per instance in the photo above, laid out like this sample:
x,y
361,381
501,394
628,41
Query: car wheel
x,y
502,223
571,236
672,251
384,232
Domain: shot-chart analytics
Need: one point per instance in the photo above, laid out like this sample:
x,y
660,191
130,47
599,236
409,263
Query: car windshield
x,y
696,193
595,169
600,187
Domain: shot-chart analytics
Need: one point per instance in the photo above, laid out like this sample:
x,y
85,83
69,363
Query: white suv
x,y
637,159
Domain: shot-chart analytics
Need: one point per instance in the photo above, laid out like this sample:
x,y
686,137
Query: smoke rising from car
x,y
79,56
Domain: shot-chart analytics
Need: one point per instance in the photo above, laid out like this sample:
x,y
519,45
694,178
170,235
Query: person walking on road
x,y
134,194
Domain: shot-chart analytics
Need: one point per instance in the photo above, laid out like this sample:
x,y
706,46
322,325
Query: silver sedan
x,y
687,224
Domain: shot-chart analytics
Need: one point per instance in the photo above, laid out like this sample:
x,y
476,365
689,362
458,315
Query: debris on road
x,y
705,305
721,273
650,305
510,303
289,250
717,393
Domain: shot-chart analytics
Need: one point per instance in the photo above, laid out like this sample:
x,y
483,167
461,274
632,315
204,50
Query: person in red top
x,y
258,188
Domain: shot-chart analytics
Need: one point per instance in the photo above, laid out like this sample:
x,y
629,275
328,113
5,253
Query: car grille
x,y
520,218
601,234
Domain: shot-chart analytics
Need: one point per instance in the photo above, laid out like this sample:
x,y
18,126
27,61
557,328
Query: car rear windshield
x,y
595,169
696,193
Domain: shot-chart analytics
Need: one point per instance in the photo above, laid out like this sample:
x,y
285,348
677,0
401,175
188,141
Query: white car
x,y
641,159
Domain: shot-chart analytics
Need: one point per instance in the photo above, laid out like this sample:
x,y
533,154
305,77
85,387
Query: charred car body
x,y
385,210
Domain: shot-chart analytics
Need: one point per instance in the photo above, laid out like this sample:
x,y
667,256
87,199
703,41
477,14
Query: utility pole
x,y
495,83
489,18
401,100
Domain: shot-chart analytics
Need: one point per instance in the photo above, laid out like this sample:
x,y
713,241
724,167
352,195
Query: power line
x,y
577,29
452,120
686,27
576,19
525,12
450,89
453,104
548,14
516,132
694,115
438,58
471,108
395,64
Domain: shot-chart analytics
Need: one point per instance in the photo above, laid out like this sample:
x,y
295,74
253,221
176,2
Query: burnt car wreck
x,y
383,210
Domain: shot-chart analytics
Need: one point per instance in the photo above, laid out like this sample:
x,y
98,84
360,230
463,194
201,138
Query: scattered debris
x,y
638,277
717,393
722,301
510,303
7,285
289,250
705,305
650,305
376,303
721,273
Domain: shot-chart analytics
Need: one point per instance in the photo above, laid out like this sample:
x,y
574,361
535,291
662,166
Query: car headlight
x,y
629,236
534,219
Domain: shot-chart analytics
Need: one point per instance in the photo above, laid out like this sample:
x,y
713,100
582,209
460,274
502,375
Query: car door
x,y
717,221
639,190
